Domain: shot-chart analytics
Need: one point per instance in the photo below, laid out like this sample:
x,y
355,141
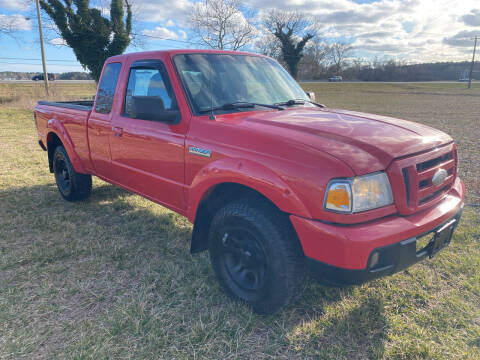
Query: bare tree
x,y
293,29
267,44
10,24
338,53
314,62
220,24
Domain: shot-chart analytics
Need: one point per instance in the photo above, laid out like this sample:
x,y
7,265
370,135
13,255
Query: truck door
x,y
148,138
99,127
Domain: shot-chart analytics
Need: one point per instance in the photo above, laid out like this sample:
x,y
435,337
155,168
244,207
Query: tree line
x,y
398,71
312,67
71,75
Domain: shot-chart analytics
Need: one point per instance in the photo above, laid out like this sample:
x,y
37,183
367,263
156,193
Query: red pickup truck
x,y
273,182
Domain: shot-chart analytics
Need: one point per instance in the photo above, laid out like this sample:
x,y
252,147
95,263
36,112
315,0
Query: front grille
x,y
415,180
433,162
406,181
432,195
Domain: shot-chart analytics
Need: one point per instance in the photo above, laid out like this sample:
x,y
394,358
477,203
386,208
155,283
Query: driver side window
x,y
149,93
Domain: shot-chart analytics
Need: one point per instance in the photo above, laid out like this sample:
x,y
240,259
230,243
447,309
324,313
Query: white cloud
x,y
425,31
58,41
414,30
472,19
162,10
14,23
105,11
461,39
161,32
14,4
182,34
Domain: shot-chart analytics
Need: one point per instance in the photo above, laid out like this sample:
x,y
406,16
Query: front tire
x,y
72,185
255,255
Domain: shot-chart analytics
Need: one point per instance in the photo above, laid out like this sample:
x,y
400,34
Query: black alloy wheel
x,y
243,257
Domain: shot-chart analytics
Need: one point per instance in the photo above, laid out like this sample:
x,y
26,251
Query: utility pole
x,y
45,74
473,61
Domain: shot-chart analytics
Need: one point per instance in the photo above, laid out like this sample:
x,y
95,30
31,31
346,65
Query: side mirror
x,y
168,116
311,95
151,108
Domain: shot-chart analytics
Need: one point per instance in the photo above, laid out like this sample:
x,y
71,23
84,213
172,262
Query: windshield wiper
x,y
292,102
238,105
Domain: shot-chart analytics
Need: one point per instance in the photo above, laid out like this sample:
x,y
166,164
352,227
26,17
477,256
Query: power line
x,y
168,39
15,58
25,63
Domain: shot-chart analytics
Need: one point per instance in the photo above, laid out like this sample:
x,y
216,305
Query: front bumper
x,y
341,253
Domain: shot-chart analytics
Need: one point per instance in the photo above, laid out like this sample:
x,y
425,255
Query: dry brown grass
x,y
26,95
112,278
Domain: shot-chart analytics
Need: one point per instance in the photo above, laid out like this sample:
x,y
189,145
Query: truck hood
x,y
365,142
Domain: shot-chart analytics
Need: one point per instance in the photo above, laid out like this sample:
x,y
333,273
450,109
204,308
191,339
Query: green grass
x,y
113,277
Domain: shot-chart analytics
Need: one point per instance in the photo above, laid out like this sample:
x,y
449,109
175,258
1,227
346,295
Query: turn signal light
x,y
339,197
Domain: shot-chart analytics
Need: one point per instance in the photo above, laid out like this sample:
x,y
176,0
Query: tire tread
x,y
284,243
81,183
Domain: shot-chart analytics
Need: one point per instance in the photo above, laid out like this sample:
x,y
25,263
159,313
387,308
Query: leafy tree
x,y
293,30
92,37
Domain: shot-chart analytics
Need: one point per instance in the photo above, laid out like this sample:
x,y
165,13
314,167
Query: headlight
x,y
358,194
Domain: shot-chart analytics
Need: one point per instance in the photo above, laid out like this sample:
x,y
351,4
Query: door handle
x,y
117,131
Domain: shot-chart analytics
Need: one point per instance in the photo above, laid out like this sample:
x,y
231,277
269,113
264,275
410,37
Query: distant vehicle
x,y
51,77
335,78
464,76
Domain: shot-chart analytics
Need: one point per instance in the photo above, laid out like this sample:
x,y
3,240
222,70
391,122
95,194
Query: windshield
x,y
213,80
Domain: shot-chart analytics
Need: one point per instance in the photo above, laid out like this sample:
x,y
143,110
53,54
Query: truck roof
x,y
171,52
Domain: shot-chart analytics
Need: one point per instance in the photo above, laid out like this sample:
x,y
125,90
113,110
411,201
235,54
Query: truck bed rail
x,y
84,105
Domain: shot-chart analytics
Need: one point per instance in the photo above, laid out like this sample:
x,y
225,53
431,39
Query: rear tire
x,y
72,185
256,255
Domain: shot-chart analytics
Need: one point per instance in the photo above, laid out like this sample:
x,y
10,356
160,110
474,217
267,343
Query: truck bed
x,y
84,105
69,117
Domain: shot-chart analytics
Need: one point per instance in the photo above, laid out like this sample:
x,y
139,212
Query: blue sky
x,y
408,30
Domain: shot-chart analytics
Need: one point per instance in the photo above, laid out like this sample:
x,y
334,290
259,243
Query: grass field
x,y
113,277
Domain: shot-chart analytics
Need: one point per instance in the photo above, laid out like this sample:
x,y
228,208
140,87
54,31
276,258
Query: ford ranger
x,y
273,182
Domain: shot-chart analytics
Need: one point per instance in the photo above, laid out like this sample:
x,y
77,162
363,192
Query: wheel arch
x,y
55,138
229,180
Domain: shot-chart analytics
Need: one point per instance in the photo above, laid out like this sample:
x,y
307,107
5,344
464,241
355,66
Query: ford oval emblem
x,y
439,177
